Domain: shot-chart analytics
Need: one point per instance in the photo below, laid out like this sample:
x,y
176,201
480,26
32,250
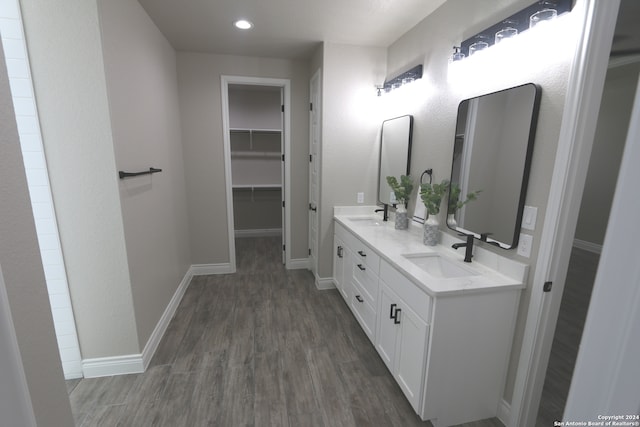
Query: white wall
x,y
22,273
201,117
529,59
351,121
68,74
142,88
35,166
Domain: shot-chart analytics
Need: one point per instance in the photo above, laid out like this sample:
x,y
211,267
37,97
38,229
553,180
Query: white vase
x,y
402,220
451,221
431,231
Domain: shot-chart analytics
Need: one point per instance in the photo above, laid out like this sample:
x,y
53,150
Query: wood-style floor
x,y
566,341
262,347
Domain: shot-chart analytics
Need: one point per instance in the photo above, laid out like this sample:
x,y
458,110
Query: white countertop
x,y
492,272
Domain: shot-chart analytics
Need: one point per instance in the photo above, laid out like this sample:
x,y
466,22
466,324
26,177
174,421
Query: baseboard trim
x,y
109,366
206,269
324,283
587,246
162,325
298,264
504,411
259,232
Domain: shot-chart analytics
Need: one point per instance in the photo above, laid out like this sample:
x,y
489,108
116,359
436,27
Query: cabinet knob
x,y
361,267
361,253
359,298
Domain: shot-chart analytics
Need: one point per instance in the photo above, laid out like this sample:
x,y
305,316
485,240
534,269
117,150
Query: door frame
x,y
285,85
584,92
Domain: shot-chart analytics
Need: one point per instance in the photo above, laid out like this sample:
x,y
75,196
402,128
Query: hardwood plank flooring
x,y
566,341
262,347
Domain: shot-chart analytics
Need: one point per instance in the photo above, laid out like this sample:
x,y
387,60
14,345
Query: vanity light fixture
x,y
243,24
400,80
526,18
457,55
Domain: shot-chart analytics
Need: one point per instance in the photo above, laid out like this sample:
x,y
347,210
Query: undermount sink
x,y
366,220
438,266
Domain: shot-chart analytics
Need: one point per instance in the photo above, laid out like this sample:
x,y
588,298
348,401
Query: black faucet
x,y
385,212
468,253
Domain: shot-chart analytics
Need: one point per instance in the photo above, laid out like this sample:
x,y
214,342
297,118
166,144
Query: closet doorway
x,y
257,146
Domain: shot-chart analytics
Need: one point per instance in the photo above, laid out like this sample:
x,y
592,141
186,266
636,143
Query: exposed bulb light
x,y
243,24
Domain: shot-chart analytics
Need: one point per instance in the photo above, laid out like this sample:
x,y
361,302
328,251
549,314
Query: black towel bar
x,y
130,174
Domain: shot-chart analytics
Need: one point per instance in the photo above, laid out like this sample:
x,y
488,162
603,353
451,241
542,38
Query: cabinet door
x,y
388,330
411,354
339,262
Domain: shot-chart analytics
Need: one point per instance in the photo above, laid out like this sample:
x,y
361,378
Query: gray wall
x,y
142,88
67,66
435,117
350,135
23,277
201,117
608,144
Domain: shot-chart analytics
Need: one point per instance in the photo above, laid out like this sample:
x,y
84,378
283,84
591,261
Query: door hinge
x,y
283,108
311,106
283,203
283,157
309,251
547,286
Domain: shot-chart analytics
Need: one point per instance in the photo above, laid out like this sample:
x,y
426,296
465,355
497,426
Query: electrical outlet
x,y
524,245
360,197
529,216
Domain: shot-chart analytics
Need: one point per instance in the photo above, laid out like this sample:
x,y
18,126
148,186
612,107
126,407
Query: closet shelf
x,y
255,154
248,130
257,186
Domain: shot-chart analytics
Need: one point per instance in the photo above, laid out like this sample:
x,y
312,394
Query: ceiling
x,y
284,28
295,28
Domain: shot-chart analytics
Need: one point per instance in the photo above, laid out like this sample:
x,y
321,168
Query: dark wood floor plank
x,y
270,397
566,342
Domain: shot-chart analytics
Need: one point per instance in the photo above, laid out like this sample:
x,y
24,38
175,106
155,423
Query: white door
x,y
314,165
282,176
410,354
387,328
606,376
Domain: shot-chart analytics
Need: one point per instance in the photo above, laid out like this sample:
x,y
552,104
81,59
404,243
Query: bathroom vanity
x,y
443,327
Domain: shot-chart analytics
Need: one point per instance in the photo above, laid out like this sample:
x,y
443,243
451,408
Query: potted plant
x,y
455,203
402,191
431,195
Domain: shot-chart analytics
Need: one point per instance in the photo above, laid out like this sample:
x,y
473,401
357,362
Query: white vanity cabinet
x,y
340,259
356,276
402,342
446,341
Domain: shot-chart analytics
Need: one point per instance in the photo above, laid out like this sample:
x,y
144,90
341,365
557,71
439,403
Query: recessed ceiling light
x,y
243,24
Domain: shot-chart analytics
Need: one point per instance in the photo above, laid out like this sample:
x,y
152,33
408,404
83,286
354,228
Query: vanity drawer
x,y
366,279
363,311
413,296
363,254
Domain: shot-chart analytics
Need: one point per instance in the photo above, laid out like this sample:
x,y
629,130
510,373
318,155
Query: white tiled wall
x,y
35,165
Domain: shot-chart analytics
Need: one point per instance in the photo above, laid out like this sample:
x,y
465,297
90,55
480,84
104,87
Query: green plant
x,y
454,198
431,195
401,190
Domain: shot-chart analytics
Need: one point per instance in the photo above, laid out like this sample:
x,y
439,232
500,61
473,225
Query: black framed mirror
x,y
491,160
395,154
